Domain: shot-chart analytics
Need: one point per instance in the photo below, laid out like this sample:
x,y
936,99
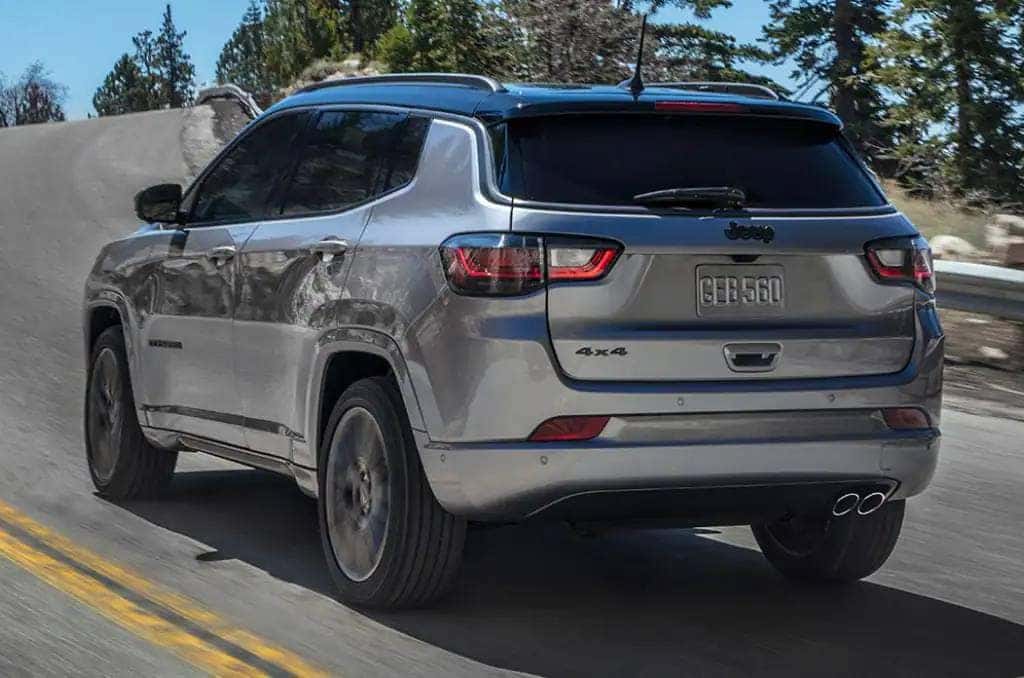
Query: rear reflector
x,y
562,429
698,107
905,418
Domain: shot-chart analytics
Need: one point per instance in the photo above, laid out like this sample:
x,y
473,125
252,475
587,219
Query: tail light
x,y
905,418
566,429
903,260
507,264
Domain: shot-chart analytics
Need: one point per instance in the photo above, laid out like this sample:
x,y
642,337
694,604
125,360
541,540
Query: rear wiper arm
x,y
698,196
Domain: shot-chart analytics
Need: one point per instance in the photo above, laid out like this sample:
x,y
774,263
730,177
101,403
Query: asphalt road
x,y
241,546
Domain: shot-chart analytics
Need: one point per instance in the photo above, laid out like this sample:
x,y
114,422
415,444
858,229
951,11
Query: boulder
x,y
998,237
1013,224
1014,255
951,247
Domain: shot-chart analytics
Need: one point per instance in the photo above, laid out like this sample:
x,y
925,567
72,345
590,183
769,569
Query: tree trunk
x,y
356,22
961,23
847,57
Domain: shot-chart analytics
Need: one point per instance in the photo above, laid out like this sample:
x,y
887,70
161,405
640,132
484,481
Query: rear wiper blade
x,y
698,196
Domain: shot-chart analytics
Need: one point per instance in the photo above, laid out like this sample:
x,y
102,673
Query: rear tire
x,y
835,550
388,542
122,463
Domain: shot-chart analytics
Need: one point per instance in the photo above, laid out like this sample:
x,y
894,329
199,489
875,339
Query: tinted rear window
x,y
607,159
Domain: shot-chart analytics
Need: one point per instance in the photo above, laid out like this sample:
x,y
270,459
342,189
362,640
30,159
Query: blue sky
x,y
79,41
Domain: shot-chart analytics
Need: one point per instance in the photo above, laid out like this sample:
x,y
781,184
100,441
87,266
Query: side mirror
x,y
158,203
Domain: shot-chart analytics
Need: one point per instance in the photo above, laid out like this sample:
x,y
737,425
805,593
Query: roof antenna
x,y
636,83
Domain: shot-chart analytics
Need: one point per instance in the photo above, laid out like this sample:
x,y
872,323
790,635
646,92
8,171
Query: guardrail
x,y
981,288
235,92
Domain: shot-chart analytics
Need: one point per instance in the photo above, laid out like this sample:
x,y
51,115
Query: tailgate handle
x,y
752,357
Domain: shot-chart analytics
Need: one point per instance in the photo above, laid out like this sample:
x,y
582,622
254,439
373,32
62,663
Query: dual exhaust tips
x,y
852,501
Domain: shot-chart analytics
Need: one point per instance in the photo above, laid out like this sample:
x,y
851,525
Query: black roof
x,y
491,101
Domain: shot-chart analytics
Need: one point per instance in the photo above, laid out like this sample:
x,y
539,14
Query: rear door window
x,y
350,157
608,159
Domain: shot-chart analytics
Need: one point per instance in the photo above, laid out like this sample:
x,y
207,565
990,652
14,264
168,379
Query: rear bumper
x,y
514,481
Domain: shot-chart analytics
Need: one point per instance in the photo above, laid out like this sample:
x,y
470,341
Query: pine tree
x,y
158,75
367,20
242,60
576,41
176,73
689,51
953,68
124,90
830,42
297,32
146,59
449,35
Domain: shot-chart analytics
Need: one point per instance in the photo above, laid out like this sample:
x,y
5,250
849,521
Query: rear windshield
x,y
608,159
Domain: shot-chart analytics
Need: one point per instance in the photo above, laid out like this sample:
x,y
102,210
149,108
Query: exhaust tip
x,y
845,504
871,503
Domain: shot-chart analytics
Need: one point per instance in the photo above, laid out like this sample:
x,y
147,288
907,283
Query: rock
x,y
951,247
1013,224
1014,255
998,238
993,354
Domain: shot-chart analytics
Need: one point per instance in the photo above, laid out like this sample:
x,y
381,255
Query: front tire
x,y
388,542
835,549
122,463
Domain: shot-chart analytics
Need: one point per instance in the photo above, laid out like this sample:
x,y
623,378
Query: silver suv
x,y
435,299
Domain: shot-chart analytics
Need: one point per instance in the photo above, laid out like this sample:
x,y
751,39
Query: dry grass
x,y
935,217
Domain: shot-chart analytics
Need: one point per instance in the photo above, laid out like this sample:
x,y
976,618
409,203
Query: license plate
x,y
740,291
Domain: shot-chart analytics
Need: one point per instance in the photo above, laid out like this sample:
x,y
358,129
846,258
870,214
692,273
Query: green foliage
x,y
367,20
158,75
297,32
448,35
242,60
688,51
576,41
953,70
830,44
34,98
176,79
124,90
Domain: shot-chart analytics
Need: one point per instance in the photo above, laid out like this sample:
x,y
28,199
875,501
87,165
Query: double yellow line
x,y
162,617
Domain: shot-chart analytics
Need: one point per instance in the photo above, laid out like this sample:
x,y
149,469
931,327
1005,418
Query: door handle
x,y
328,248
752,357
221,254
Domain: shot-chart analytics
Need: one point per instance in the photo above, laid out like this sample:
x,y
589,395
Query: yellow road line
x,y
122,611
180,605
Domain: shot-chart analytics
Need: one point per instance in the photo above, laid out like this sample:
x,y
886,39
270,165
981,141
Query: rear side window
x,y
607,159
238,187
352,156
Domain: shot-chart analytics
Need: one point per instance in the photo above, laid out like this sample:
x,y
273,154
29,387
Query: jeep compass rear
x,y
572,303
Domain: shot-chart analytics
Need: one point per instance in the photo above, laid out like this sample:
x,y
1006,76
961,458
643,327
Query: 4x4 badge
x,y
738,232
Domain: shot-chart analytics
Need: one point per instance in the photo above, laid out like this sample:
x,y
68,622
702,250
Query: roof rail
x,y
742,88
475,81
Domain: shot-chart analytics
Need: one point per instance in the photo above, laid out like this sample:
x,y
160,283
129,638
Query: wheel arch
x,y
344,357
106,311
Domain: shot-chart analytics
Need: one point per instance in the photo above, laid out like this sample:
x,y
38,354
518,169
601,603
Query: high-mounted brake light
x,y
565,429
506,264
902,260
698,107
